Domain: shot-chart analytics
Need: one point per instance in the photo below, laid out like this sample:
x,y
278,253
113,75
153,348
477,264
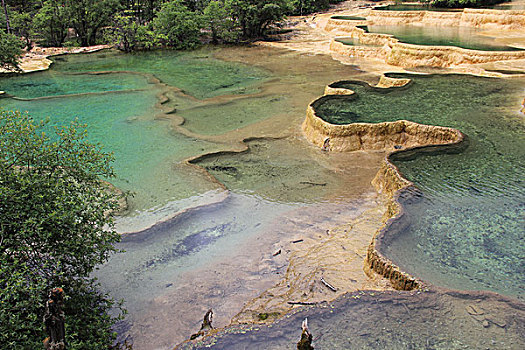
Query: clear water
x,y
464,37
195,72
352,42
397,321
115,95
279,170
221,102
205,257
467,231
52,84
222,117
157,258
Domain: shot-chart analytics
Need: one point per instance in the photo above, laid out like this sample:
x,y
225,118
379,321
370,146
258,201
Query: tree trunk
x,y
6,17
54,321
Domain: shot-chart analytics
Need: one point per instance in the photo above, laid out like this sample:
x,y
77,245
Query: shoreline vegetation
x,y
141,25
145,27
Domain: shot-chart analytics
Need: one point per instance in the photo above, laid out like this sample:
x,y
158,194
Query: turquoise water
x,y
195,72
114,94
464,37
53,83
278,176
467,229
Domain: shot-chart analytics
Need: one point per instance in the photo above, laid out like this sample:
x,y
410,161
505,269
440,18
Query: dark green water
x,y
467,231
464,37
407,7
349,18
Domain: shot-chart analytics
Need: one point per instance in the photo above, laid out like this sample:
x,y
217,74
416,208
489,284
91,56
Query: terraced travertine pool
x,y
134,105
463,37
466,229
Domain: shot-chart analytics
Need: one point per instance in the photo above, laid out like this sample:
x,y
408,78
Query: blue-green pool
x,y
116,95
467,229
463,37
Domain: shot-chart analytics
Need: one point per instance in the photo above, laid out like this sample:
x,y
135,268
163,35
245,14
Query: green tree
x,y
142,10
21,24
87,17
10,51
179,27
51,23
128,34
255,16
303,7
464,3
6,16
218,21
55,227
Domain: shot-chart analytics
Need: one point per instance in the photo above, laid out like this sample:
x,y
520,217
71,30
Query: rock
x,y
473,310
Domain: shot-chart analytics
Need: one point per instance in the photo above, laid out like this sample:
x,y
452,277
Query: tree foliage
x,y
87,17
218,21
128,34
55,228
10,51
51,22
179,27
146,24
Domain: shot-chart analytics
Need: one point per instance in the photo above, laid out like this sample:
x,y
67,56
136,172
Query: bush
x,y
55,228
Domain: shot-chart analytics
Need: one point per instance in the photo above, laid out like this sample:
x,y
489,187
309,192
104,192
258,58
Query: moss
x,y
263,316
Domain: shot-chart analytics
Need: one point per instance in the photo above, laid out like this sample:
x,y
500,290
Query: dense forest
x,y
141,24
133,25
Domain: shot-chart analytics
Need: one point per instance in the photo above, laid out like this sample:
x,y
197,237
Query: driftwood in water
x,y
326,144
303,302
206,325
54,321
328,285
306,337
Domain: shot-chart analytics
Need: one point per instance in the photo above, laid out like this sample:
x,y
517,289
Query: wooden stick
x,y
303,302
332,288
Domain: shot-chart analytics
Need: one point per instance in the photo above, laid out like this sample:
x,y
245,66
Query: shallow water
x,y
375,320
282,189
467,229
116,95
197,73
464,37
219,102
